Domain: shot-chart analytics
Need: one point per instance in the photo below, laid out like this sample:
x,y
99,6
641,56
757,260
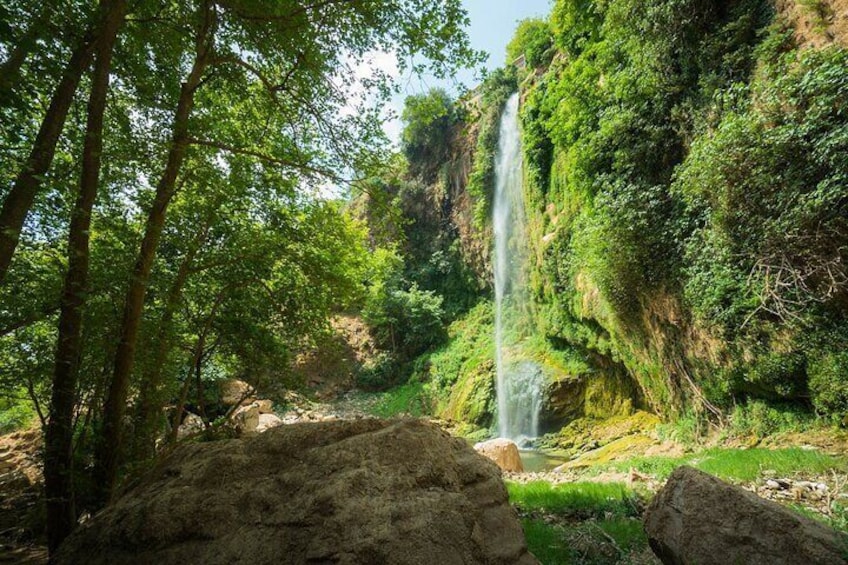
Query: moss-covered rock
x,y
472,399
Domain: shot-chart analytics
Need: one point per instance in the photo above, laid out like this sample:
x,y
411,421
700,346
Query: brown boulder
x,y
503,452
699,519
268,421
234,391
362,492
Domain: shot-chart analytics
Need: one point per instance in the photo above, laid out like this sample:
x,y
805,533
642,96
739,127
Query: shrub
x,y
532,38
828,381
428,120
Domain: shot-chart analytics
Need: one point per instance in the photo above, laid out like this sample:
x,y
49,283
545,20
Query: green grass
x,y
410,399
596,542
579,500
738,464
547,542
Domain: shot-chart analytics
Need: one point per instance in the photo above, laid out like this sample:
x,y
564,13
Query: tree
x,y
58,457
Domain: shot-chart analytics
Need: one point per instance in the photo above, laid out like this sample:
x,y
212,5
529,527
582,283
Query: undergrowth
x,y
581,522
737,464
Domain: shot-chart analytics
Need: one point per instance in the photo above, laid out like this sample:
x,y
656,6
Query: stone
x,y
697,518
268,421
246,419
503,452
192,424
349,492
234,391
265,406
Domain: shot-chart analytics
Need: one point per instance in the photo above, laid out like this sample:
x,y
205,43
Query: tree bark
x,y
108,451
58,467
20,198
150,392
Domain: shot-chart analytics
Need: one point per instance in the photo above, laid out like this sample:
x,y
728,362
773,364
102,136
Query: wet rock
x,y
363,492
502,451
697,518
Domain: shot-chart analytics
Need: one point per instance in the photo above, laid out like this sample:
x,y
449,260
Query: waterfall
x,y
519,383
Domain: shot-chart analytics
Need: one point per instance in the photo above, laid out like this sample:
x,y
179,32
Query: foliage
x,y
494,92
429,120
829,383
216,248
405,321
761,419
409,399
16,412
532,38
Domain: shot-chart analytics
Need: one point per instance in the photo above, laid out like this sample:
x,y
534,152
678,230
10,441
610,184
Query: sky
x,y
492,25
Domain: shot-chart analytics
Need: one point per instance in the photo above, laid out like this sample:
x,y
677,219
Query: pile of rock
x,y
818,493
248,415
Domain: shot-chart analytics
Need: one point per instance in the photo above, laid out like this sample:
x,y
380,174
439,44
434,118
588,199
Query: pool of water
x,y
536,461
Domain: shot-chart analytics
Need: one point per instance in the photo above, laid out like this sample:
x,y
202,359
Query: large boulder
x,y
348,492
235,392
503,452
246,419
699,519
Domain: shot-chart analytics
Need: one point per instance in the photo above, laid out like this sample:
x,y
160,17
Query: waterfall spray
x,y
519,385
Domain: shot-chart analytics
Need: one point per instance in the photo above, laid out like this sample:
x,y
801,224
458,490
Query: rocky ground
x,y
20,493
582,449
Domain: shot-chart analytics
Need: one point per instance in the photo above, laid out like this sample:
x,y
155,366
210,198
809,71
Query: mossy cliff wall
x,y
687,200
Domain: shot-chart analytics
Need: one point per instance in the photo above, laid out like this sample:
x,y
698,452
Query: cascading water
x,y
519,384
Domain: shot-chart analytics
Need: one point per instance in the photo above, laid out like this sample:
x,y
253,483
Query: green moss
x,y
616,450
472,396
608,394
460,374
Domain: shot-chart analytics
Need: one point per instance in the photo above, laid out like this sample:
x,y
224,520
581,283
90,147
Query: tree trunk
x,y
58,468
150,392
20,198
107,454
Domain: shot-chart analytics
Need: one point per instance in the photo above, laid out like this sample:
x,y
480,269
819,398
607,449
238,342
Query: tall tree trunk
x,y
108,452
150,392
58,468
20,198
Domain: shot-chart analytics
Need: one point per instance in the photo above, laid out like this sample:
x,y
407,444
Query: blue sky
x,y
492,25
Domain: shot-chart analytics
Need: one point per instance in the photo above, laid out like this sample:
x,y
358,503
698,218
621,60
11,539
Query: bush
x,y
533,39
828,381
16,413
760,419
378,373
429,119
